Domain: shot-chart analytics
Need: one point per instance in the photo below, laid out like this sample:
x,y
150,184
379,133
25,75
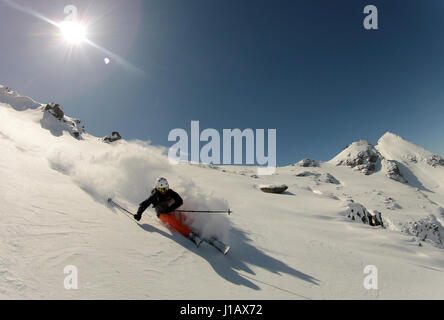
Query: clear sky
x,y
307,68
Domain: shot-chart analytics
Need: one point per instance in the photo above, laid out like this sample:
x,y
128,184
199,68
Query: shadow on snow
x,y
242,254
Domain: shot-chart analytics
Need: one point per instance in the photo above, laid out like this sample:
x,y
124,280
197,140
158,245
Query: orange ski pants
x,y
174,222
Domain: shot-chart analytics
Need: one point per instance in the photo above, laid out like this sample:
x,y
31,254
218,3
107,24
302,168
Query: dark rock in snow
x,y
393,172
113,137
319,177
55,109
375,218
305,174
273,188
425,229
307,163
435,160
328,178
357,212
412,158
56,122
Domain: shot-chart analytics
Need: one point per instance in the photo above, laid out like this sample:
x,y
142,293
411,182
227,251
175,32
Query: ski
x,y
219,245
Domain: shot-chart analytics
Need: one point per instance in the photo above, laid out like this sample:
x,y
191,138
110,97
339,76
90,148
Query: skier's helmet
x,y
162,185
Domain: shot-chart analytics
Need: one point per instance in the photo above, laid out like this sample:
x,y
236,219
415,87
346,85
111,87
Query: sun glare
x,y
73,32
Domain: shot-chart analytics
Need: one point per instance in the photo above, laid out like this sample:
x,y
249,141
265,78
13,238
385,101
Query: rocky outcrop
x,y
307,163
435,160
319,177
328,178
392,171
364,157
357,212
75,127
307,174
425,229
55,109
55,120
113,137
361,156
273,188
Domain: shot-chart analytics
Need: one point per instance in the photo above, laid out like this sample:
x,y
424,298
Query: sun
x,y
73,32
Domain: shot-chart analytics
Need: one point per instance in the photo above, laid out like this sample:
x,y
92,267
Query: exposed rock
x,y
393,172
376,218
359,155
113,137
77,129
55,109
412,158
320,177
57,122
357,212
307,163
425,229
435,160
306,174
328,178
273,188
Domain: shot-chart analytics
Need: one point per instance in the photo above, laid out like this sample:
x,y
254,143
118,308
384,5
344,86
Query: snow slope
x,y
296,245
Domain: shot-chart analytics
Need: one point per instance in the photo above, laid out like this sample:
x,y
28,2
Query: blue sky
x,y
307,68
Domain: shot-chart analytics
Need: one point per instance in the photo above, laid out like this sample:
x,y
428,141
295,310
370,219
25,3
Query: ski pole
x,y
198,211
120,207
207,211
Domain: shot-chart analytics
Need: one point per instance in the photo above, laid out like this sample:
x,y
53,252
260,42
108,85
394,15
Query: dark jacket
x,y
162,202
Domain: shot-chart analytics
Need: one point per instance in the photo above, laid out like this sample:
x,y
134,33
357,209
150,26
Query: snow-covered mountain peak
x,y
360,155
390,135
396,156
394,147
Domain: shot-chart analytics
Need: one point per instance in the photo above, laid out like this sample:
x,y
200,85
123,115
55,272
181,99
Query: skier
x,y
165,201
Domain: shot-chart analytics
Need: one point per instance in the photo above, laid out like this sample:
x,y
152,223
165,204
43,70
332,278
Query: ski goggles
x,y
163,190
